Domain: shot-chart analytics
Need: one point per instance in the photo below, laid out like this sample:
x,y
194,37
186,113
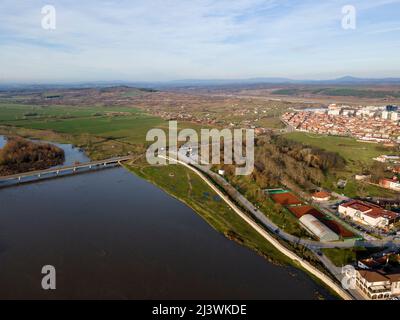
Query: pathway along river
x,y
113,235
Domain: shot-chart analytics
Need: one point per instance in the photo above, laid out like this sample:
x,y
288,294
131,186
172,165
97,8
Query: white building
x,y
317,228
385,115
368,214
377,284
394,116
334,112
387,158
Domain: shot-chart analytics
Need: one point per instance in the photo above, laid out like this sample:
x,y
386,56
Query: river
x,y
2,141
112,235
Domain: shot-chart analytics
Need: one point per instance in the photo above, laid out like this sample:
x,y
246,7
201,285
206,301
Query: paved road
x,y
305,264
272,227
314,246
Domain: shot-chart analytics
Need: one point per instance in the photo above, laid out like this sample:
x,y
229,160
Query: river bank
x,y
209,208
21,155
189,189
112,235
274,242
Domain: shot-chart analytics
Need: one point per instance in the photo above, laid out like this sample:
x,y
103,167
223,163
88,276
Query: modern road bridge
x,y
32,176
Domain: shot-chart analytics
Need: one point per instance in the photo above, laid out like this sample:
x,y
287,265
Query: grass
x,y
271,122
189,188
350,149
359,189
99,130
131,127
344,256
358,155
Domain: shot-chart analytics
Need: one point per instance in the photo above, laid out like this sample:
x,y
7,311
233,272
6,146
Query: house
x,y
396,169
362,177
342,183
378,284
387,158
321,196
368,214
391,184
378,278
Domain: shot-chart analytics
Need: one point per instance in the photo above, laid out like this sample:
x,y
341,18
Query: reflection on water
x,y
2,141
112,235
72,154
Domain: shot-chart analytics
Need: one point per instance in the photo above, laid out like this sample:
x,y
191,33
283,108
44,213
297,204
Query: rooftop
x,y
321,195
370,209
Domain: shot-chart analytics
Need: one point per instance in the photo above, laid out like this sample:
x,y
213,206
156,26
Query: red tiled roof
x,y
321,195
370,209
355,204
338,228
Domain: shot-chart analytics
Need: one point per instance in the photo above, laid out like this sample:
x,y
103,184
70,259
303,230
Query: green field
x,y
131,126
358,155
350,149
341,257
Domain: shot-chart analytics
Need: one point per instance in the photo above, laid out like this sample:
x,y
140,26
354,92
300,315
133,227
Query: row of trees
x,y
20,155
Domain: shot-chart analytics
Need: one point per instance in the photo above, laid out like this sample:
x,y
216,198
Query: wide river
x,y
110,234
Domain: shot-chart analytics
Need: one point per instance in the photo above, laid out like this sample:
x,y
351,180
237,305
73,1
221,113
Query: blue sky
x,y
161,40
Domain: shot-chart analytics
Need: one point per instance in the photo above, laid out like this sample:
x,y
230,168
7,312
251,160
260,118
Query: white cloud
x,y
171,39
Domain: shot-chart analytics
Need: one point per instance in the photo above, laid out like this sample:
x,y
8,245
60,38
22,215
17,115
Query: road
x,y
272,227
315,246
304,264
66,168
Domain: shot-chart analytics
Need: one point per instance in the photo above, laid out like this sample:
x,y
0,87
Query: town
x,y
378,124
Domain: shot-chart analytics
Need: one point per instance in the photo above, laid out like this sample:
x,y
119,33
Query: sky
x,y
161,40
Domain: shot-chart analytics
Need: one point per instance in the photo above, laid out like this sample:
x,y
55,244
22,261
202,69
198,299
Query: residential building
x,y
321,196
378,284
379,278
390,184
361,123
387,158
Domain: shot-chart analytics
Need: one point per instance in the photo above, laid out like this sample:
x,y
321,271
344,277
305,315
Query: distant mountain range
x,y
343,80
347,80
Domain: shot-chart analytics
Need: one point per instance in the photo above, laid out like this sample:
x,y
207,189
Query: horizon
x,y
130,41
244,81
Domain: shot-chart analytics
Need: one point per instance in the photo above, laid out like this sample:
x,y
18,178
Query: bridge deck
x,y
66,168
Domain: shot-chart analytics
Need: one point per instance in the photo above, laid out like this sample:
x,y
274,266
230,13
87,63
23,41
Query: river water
x,y
110,234
2,141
